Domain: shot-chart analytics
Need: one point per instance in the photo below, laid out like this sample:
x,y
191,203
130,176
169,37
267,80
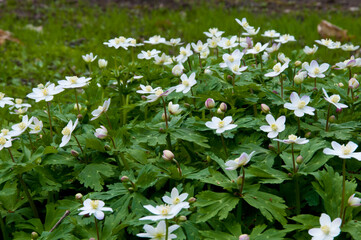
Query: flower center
x,y
165,210
2,141
73,80
292,137
176,200
245,24
327,42
235,68
221,124
94,204
37,128
4,131
325,229
133,41
346,150
335,98
148,88
45,91
149,53
228,43
277,68
185,83
22,125
301,104
257,47
316,70
213,30
100,108
2,95
200,48
66,131
286,37
183,52
274,127
159,235
159,92
18,101
231,58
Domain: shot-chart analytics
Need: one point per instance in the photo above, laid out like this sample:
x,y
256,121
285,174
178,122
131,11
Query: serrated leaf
x,y
272,234
92,175
190,136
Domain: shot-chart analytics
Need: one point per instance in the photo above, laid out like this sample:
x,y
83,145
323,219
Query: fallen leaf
x,y
329,30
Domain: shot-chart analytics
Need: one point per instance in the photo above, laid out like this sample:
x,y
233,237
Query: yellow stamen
x,y
66,131
94,204
301,104
274,127
221,124
2,141
325,229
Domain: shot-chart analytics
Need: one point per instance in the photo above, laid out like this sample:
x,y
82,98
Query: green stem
x,y
328,116
189,64
96,227
31,142
81,149
166,229
299,126
200,60
281,85
315,82
51,127
165,113
178,166
224,145
112,142
242,185
194,100
106,115
293,160
67,212
343,186
76,99
28,196
3,228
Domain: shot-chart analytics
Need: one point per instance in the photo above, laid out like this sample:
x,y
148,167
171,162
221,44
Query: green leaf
x,y
213,235
92,175
272,234
306,221
266,174
190,136
353,227
211,204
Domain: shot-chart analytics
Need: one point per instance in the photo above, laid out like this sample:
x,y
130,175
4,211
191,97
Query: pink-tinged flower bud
x,y
298,79
78,196
168,155
144,97
79,116
332,119
315,89
209,103
163,117
219,111
192,200
124,179
229,77
299,160
275,92
249,42
187,105
353,83
354,201
177,70
271,147
338,110
74,153
161,130
223,107
91,238
340,84
298,63
101,132
76,106
244,237
182,218
308,135
264,108
34,235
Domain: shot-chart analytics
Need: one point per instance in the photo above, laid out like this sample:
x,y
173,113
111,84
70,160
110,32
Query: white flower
x,y
316,71
299,105
19,103
6,133
234,57
67,131
244,24
277,70
95,207
177,70
4,142
238,162
347,63
328,229
164,211
251,31
273,48
213,42
257,48
325,42
118,42
184,53
147,89
100,110
158,232
174,108
19,128
89,57
343,151
159,93
293,139
226,43
102,63
20,111
285,38
199,47
265,56
213,32
282,58
101,132
148,54
5,100
155,40
204,54
309,50
236,68
221,125
354,201
174,42
271,34
300,77
275,126
37,126
335,45
176,199
187,83
132,42
349,47
46,92
163,59
334,99
74,82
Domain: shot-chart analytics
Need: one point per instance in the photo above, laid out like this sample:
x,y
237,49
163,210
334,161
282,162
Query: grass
x,y
70,31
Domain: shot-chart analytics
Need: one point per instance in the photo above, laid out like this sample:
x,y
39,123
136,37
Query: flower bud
x,y
209,103
275,92
299,160
91,238
208,71
338,110
168,155
34,235
219,111
223,107
192,200
78,196
76,107
101,132
354,201
298,79
271,147
244,237
102,63
304,64
182,218
308,135
74,153
79,116
38,161
332,119
144,97
264,108
298,63
229,77
340,84
239,180
124,179
107,148
208,159
163,117
177,70
161,130
353,83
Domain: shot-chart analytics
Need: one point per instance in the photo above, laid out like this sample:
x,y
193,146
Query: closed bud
x,y
34,235
209,159
177,70
182,218
229,77
102,63
354,201
209,103
91,238
78,196
107,148
299,160
124,179
76,107
338,110
131,189
161,130
192,200
80,117
74,153
208,71
264,108
244,237
298,79
340,84
308,135
223,107
219,111
163,117
187,105
239,180
298,63
38,161
332,119
168,155
275,92
353,83
271,147
144,97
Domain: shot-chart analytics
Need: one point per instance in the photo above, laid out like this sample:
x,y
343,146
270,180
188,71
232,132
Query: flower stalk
x,y
51,127
328,116
224,145
343,187
96,227
76,99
